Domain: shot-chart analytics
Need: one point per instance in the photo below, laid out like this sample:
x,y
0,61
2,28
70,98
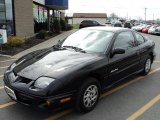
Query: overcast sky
x,y
132,8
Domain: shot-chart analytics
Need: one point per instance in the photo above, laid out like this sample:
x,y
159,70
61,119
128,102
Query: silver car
x,y
152,29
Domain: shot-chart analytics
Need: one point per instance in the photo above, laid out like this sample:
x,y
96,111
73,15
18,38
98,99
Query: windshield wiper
x,y
75,48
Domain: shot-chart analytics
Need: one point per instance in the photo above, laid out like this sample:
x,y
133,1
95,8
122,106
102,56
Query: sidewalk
x,y
45,44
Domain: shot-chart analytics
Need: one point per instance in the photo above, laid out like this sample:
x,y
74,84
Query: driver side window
x,y
124,40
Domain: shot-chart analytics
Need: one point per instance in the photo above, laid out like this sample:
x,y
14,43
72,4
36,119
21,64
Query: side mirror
x,y
117,51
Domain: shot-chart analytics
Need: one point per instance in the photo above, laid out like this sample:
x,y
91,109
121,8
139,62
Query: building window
x,y
40,18
2,14
9,17
6,19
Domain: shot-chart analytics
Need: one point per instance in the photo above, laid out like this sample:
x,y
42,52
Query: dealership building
x,y
26,17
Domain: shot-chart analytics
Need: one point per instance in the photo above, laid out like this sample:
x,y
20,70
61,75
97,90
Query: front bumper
x,y
157,33
34,100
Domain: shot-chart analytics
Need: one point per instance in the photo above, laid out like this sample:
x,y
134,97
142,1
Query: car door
x,y
143,48
123,65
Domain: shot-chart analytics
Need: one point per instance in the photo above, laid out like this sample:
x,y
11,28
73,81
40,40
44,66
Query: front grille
x,y
23,80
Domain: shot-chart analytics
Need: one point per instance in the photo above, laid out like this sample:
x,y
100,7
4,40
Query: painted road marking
x,y
7,60
7,104
1,76
4,67
1,55
157,61
1,87
105,94
144,108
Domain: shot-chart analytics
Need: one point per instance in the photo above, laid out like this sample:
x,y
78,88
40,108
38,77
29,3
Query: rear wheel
x,y
88,95
147,66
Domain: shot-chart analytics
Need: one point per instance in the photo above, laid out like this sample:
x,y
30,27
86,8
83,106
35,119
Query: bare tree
x,y
113,16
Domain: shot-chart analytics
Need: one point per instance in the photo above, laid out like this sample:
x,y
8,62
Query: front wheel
x,y
147,66
88,95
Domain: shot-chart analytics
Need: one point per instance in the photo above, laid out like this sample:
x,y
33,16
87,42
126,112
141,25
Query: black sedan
x,y
89,23
79,68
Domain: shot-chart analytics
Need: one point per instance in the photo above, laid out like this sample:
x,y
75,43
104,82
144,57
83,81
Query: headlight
x,y
43,82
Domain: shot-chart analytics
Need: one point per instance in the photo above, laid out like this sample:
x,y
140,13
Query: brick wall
x,y
24,22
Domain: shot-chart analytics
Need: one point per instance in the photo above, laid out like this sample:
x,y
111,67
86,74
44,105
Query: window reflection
x,y
89,40
40,18
6,16
124,40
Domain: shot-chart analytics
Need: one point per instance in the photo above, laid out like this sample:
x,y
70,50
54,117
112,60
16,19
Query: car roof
x,y
88,20
106,28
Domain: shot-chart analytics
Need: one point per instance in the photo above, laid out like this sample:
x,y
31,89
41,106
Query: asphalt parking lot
x,y
137,98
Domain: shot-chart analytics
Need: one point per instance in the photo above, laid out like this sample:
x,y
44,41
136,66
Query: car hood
x,y
52,63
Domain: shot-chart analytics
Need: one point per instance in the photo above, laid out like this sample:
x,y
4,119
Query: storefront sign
x,y
3,36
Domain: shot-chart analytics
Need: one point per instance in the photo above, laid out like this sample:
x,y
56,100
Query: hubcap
x,y
90,96
148,65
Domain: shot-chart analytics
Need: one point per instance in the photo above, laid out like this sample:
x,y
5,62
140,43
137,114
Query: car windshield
x,y
89,40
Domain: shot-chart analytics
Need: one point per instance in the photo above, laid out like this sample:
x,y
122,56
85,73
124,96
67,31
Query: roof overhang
x,y
57,4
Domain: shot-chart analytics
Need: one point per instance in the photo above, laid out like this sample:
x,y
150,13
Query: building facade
x,y
27,17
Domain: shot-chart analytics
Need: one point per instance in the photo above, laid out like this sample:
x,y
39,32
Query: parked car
x,y
152,29
127,25
108,22
136,27
157,31
112,23
145,30
78,69
139,29
136,24
118,24
89,23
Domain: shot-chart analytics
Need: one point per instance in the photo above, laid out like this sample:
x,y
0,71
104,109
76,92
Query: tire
x,y
147,66
88,95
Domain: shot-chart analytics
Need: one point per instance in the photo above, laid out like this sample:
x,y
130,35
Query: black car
x,y
79,68
127,25
89,23
117,24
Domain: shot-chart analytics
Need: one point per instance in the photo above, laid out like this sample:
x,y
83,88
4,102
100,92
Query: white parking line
x,y
7,104
1,55
8,60
1,76
4,67
1,87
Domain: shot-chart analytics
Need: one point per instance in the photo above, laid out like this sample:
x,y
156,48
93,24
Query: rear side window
x,y
95,23
124,40
139,38
87,22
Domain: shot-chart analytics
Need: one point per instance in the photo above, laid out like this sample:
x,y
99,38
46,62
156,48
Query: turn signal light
x,y
49,103
65,100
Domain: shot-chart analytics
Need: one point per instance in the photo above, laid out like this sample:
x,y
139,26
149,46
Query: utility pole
x,y
127,16
145,9
153,18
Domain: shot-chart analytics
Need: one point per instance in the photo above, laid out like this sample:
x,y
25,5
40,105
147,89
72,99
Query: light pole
x,y
145,9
